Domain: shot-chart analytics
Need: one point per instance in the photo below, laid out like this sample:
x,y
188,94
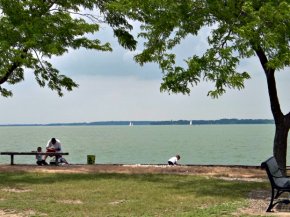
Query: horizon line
x,y
151,122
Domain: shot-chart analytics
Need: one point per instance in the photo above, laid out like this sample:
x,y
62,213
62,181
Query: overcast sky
x,y
113,87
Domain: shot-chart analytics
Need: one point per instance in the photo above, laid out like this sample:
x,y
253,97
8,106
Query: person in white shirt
x,y
173,160
53,145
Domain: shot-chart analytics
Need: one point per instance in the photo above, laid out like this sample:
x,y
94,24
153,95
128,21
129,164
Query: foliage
x,y
32,31
239,29
121,195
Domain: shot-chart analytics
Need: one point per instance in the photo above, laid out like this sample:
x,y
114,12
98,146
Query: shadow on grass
x,y
36,178
200,186
217,187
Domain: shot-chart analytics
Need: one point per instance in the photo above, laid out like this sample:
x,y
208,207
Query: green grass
x,y
122,195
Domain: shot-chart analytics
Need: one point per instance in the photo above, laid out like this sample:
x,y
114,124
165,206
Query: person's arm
x,y
57,146
48,145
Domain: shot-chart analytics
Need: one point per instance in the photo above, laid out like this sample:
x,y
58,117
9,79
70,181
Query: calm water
x,y
205,144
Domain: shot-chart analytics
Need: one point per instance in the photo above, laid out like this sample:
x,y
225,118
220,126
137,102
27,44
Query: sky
x,y
113,87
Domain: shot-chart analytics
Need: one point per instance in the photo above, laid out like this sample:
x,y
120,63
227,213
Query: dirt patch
x,y
14,190
13,213
9,213
117,202
70,201
230,172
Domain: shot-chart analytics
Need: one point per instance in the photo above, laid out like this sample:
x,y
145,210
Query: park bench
x,y
279,183
56,154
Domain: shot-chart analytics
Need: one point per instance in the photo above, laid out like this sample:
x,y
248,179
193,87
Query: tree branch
x,y
272,89
9,72
12,68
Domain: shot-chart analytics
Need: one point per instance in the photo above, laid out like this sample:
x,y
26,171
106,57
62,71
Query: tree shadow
x,y
198,185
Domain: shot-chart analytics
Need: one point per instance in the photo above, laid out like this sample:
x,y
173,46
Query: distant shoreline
x,y
169,122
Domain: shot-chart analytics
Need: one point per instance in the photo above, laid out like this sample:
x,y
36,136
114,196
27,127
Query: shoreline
x,y
225,171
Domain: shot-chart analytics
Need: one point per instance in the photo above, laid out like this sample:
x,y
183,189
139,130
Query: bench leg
x,y
271,203
12,159
56,160
273,196
278,194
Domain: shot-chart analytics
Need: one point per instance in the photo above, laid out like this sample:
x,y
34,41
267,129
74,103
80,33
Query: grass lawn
x,y
40,194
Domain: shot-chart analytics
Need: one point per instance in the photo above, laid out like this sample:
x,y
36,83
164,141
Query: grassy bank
x,y
40,194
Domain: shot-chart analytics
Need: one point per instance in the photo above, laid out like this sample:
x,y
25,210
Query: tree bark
x,y
281,121
280,145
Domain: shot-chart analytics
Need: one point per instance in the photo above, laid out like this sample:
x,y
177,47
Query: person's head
x,y
178,157
53,140
39,149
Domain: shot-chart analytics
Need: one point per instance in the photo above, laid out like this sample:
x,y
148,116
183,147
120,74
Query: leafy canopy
x,y
239,29
32,31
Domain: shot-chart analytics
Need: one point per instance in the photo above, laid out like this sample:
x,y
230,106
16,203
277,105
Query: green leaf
x,y
33,31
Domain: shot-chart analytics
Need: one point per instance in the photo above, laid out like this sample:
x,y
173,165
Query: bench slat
x,y
34,153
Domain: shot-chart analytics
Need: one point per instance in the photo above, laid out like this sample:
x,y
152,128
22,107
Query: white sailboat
x,y
190,122
130,124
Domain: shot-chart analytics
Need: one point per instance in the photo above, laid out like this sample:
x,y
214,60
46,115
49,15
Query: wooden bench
x,y
279,182
56,154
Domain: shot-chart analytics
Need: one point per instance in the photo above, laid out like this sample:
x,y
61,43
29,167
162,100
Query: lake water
x,y
197,144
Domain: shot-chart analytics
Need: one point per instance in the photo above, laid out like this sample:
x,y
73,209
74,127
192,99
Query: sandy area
x,y
240,172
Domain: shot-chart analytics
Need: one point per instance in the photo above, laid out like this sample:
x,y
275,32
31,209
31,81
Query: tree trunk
x,y
282,122
280,145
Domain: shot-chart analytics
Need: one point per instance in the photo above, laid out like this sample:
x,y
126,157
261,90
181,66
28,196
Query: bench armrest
x,y
286,169
279,177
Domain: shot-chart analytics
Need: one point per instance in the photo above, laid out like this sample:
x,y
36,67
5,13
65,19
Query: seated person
x,y
53,145
39,159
